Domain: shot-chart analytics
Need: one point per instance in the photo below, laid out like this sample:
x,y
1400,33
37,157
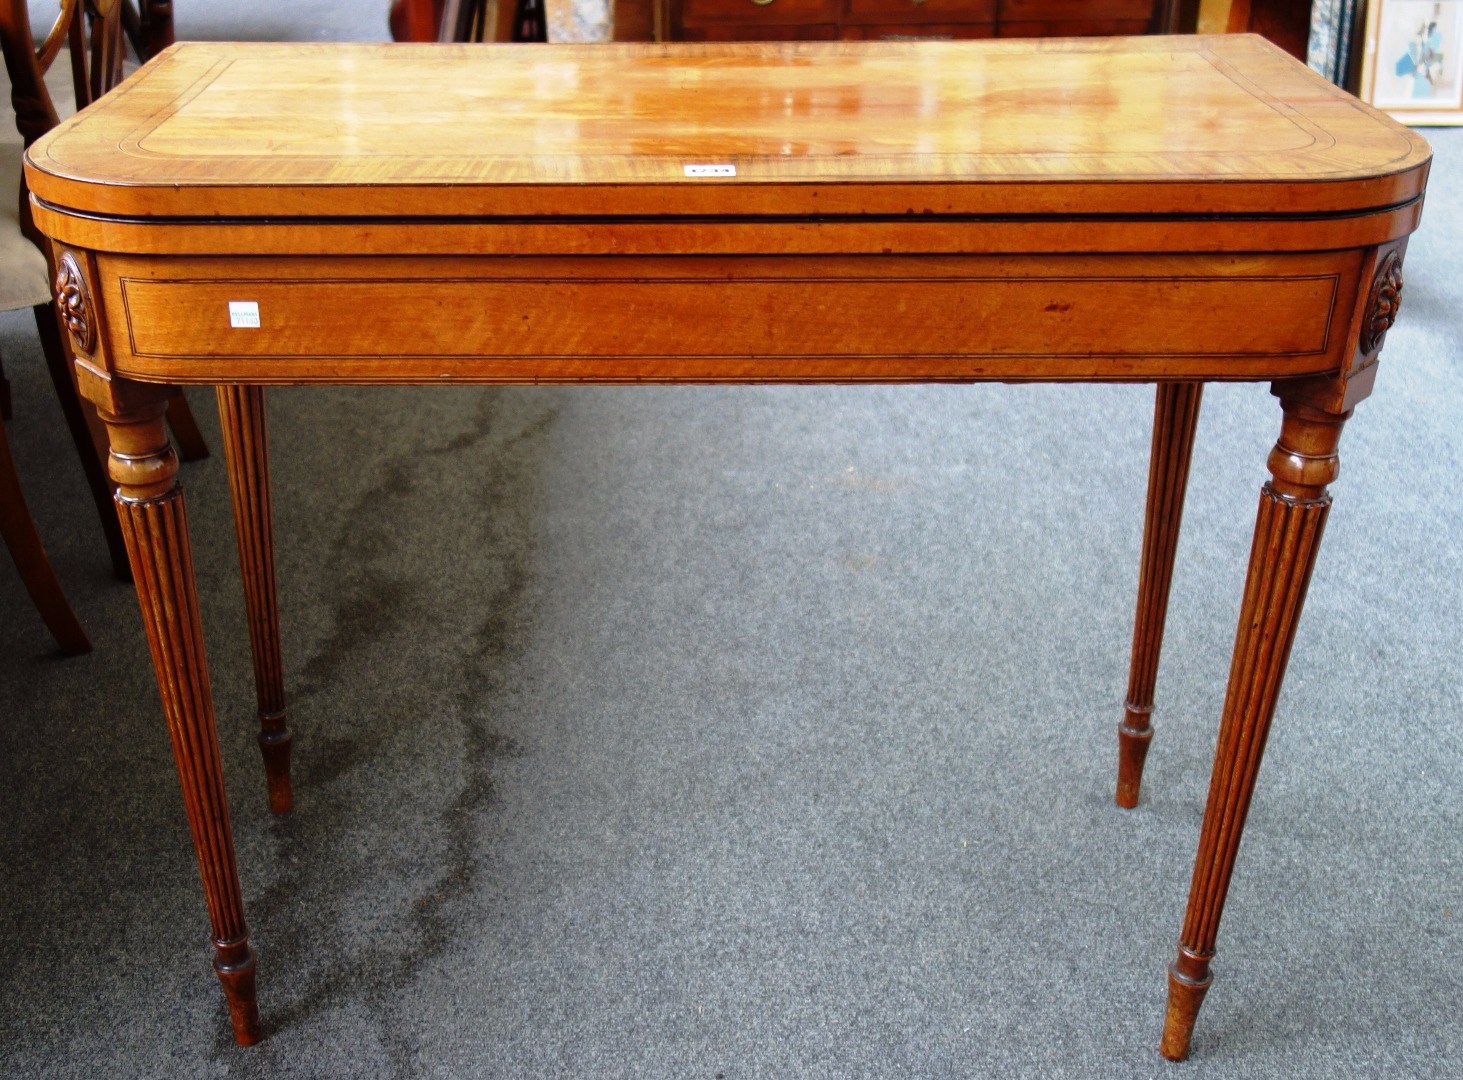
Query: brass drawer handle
x,y
761,3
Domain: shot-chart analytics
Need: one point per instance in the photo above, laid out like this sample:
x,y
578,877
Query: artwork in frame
x,y
1413,66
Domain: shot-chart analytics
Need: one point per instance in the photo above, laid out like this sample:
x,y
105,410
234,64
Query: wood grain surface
x,y
1173,124
681,319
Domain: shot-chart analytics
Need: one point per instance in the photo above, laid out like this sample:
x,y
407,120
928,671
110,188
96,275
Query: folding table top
x,y
1165,125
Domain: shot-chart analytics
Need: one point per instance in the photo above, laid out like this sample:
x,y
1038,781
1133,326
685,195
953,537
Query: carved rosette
x,y
73,301
1382,304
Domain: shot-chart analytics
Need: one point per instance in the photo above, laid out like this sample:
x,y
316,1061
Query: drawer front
x,y
743,12
1075,10
914,31
1072,28
764,32
881,318
919,11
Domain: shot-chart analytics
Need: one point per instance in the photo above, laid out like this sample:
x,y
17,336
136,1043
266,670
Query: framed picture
x,y
1413,67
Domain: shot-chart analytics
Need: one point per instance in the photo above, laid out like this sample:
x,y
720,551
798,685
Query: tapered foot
x,y
1134,735
234,965
274,744
1188,981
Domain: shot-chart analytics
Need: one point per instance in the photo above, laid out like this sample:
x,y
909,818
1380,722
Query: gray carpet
x,y
744,732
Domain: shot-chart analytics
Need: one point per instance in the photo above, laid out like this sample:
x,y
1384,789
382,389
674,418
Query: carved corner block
x,y
1376,306
1377,303
78,311
1382,302
74,303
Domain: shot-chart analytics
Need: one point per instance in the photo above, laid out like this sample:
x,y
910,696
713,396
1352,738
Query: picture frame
x,y
1413,64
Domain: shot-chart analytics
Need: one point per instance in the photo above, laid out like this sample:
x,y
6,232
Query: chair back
x,y
88,32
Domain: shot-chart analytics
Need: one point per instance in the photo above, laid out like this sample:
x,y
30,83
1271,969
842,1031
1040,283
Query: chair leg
x,y
5,412
148,25
86,433
186,434
19,531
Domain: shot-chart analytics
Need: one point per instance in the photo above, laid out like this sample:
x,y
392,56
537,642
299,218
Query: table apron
x,y
714,318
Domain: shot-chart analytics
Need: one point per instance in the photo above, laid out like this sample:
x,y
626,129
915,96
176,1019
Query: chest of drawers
x,y
876,20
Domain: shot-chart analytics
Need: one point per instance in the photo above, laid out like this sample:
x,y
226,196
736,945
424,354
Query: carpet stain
x,y
376,604
310,918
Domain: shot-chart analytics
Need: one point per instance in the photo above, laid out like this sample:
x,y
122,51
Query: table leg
x,y
246,447
1175,418
155,528
1293,508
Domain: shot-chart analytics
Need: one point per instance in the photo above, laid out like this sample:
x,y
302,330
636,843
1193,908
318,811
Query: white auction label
x,y
711,170
244,313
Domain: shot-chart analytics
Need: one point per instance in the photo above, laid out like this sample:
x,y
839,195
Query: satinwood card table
x,y
1165,210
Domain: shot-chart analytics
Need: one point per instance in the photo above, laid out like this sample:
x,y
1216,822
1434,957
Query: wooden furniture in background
x,y
846,212
776,20
875,20
415,20
461,20
1287,23
89,34
18,529
148,25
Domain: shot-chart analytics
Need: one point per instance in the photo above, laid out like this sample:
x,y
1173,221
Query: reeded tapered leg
x,y
1175,418
155,528
246,446
1293,507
